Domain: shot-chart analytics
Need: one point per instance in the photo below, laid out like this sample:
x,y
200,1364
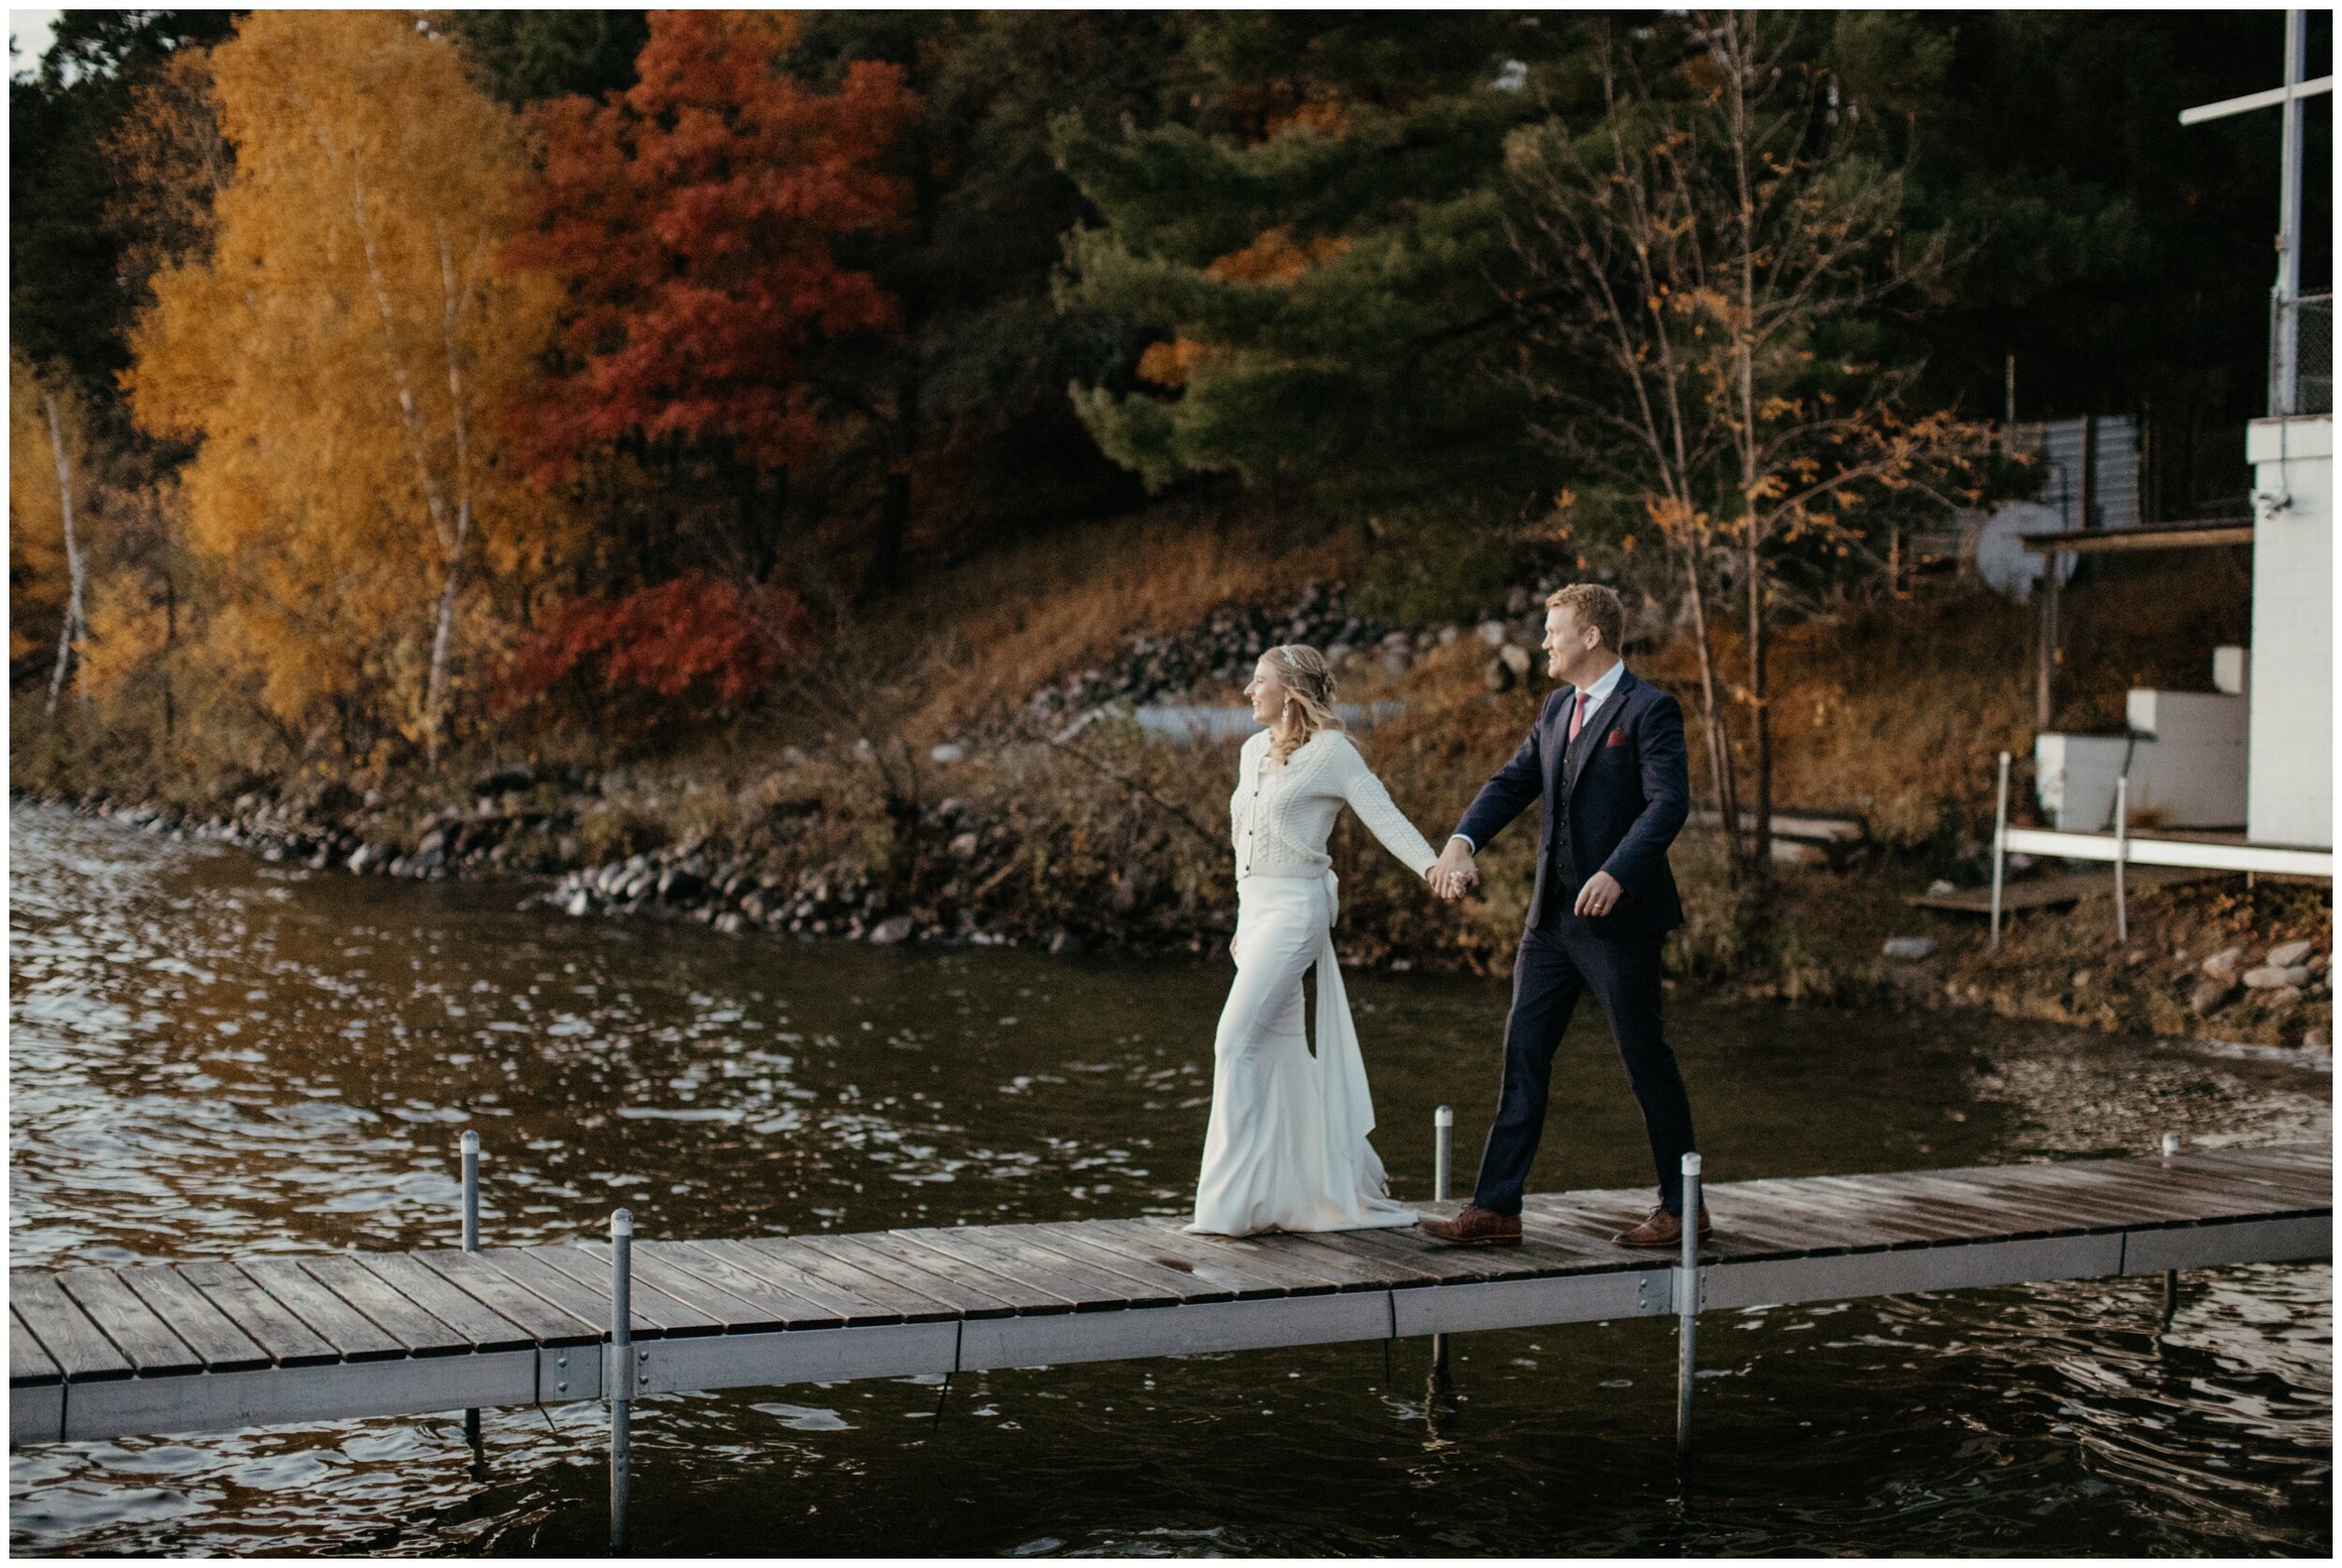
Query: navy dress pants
x,y
1557,961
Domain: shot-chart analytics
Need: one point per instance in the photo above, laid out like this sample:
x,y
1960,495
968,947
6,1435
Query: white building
x,y
2289,790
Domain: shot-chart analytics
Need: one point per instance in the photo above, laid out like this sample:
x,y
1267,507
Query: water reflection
x,y
213,1056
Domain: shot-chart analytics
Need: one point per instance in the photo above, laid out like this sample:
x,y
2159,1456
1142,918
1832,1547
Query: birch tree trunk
x,y
75,627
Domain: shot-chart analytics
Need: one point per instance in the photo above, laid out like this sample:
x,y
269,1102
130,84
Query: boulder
x,y
888,932
947,754
2211,993
1492,633
1908,950
2222,965
2269,977
2318,1040
2290,954
581,903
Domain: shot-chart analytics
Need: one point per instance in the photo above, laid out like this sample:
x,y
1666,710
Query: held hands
x,y
1454,873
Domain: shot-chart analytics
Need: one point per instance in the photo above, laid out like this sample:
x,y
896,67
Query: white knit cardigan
x,y
1281,814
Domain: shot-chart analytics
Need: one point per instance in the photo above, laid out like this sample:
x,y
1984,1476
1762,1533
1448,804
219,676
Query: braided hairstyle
x,y
1309,707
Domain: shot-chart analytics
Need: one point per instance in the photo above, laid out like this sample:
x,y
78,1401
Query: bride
x,y
1286,1148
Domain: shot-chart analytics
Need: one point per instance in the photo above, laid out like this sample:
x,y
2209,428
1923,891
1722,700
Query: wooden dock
x,y
106,1353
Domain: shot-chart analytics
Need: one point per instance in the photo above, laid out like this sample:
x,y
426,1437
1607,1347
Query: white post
x,y
1686,1308
1444,1150
617,1372
2286,396
2122,849
1443,1172
2000,843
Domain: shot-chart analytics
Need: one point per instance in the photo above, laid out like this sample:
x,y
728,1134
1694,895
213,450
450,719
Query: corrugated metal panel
x,y
2058,444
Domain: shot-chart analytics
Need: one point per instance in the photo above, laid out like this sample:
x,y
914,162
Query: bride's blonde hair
x,y
1309,683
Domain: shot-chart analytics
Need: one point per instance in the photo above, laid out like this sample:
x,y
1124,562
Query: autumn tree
x,y
344,354
697,223
1711,259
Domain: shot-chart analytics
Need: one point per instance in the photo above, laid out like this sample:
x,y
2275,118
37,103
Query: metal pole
x,y
472,1244
2000,840
619,1370
1443,1172
1686,1310
2122,848
471,1191
2286,395
2171,1276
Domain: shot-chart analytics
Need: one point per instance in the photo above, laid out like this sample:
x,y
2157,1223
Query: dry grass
x,y
986,635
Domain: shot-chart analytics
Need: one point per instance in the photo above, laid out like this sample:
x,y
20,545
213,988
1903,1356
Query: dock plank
x,y
353,1335
287,1341
80,1351
1248,1258
363,1291
652,1312
28,1364
853,1310
887,1259
783,1308
477,1276
144,1339
1072,1242
911,1303
210,1333
1088,1289
474,1320
1133,1240
654,1268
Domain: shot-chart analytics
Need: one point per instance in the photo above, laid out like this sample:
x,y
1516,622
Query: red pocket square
x,y
1618,737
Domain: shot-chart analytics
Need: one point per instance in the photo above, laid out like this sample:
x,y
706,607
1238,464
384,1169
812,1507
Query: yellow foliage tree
x,y
346,352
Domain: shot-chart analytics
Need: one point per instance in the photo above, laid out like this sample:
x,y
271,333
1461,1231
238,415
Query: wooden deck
x,y
104,1352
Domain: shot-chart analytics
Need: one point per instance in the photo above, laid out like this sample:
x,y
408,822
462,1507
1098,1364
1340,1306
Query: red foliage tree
x,y
697,636
693,219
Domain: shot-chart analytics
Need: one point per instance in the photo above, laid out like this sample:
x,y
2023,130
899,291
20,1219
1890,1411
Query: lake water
x,y
215,1056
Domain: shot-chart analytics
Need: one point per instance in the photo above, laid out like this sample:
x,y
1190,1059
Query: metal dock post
x,y
2000,842
2122,848
618,1371
2171,1276
472,1244
1686,1310
1443,1171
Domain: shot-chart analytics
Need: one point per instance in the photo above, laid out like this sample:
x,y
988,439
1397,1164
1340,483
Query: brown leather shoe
x,y
1473,1226
1660,1229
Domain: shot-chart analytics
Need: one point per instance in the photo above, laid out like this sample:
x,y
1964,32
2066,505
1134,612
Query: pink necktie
x,y
1577,717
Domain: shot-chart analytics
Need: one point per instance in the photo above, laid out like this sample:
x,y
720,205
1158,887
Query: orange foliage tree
x,y
341,349
694,221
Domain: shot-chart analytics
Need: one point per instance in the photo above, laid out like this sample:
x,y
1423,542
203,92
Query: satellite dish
x,y
2001,557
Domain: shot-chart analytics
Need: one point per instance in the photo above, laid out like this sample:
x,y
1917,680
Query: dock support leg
x,y
618,1370
1687,1310
2000,840
2171,1276
1443,1171
2122,848
472,1244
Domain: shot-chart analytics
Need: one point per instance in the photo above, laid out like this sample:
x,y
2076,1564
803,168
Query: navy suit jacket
x,y
1629,797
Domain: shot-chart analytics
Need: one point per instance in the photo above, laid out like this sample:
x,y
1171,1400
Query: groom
x,y
1606,760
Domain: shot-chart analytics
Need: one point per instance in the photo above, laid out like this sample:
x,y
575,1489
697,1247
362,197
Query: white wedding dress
x,y
1286,1148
